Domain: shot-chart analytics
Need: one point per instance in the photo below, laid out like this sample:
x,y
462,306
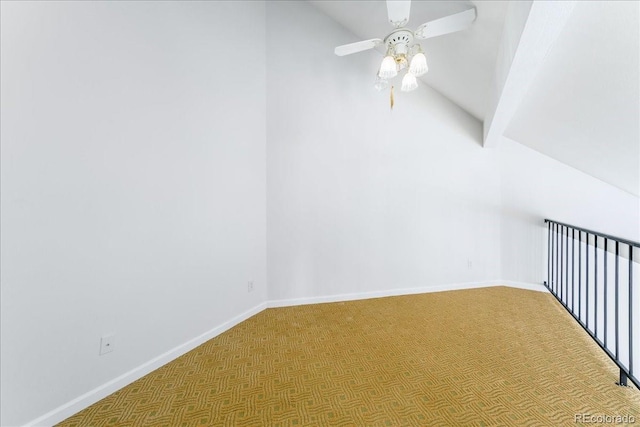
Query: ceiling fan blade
x,y
448,24
356,47
398,11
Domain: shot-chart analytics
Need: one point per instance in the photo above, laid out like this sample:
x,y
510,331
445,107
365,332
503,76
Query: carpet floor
x,y
484,357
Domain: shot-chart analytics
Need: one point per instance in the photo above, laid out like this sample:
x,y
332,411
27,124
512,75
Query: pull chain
x,y
391,97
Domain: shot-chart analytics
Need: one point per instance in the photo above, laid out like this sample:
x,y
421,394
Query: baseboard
x,y
380,294
76,405
524,285
68,409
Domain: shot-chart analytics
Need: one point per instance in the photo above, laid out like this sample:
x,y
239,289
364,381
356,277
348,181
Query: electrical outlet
x,y
107,344
469,264
250,287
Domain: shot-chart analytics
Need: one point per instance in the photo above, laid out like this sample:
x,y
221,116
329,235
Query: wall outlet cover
x,y
107,344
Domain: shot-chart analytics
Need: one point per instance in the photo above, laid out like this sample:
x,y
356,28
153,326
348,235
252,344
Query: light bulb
x,y
418,65
388,68
380,84
409,83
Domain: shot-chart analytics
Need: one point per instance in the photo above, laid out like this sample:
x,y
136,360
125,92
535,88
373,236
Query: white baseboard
x,y
524,285
68,409
76,405
379,294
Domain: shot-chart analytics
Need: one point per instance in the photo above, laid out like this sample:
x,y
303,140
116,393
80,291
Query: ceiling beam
x,y
531,29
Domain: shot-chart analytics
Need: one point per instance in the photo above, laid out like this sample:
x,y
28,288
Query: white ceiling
x,y
461,65
583,106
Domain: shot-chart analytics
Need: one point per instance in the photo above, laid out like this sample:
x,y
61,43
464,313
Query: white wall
x,y
359,198
133,186
535,187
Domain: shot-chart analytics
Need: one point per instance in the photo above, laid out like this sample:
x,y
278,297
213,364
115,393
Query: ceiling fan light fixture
x,y
388,68
418,66
380,84
409,82
403,50
402,62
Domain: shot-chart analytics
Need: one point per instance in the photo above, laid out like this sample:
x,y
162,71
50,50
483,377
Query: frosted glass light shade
x,y
380,84
388,68
418,65
409,82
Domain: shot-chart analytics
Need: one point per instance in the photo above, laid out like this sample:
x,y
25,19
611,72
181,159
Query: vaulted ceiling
x,y
569,88
461,65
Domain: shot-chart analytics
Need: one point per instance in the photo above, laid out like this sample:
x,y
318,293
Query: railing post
x,y
561,282
555,283
586,279
595,285
580,275
623,379
566,276
630,309
606,291
573,270
617,300
549,255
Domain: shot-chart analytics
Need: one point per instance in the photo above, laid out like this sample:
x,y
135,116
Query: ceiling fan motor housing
x,y
399,41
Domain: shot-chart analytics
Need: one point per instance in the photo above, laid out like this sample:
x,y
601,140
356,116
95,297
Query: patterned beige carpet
x,y
483,357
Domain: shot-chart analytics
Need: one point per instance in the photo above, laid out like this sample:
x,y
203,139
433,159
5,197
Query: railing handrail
x,y
597,233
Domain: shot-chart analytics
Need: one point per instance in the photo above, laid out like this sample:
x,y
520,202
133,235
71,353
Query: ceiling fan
x,y
403,50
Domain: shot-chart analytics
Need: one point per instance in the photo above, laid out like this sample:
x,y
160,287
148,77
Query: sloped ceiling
x,y
583,106
461,65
